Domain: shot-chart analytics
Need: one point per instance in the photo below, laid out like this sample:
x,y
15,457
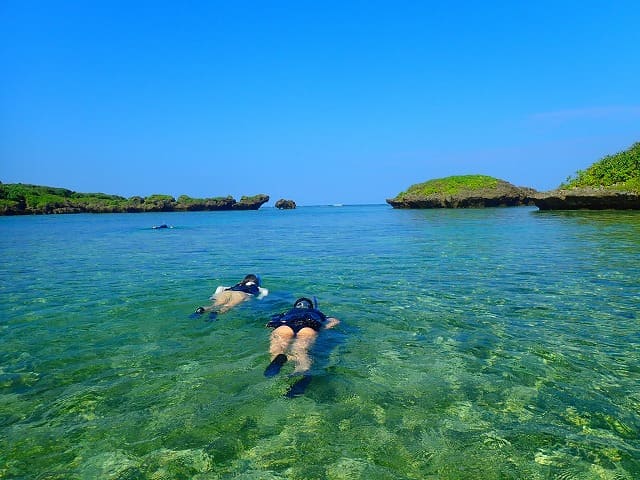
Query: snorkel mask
x,y
303,302
251,280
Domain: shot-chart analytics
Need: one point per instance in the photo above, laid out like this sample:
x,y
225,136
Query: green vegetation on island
x,y
612,183
620,171
454,185
25,199
462,191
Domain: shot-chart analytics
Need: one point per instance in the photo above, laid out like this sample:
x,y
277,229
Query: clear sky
x,y
320,102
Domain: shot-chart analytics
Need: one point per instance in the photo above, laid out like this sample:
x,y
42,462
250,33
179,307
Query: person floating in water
x,y
295,331
225,298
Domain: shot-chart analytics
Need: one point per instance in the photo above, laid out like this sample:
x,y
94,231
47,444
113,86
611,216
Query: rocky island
x,y
611,183
24,199
463,191
283,204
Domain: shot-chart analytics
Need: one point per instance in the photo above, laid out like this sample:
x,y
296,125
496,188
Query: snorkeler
x,y
225,298
296,330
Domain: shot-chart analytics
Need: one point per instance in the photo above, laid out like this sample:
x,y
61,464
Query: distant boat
x,y
337,205
164,225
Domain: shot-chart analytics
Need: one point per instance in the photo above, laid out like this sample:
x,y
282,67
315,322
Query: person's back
x,y
249,285
298,318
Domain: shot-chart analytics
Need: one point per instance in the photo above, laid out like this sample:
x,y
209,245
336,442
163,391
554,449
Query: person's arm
x,y
331,322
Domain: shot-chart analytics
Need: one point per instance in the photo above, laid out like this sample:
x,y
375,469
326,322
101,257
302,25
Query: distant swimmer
x,y
225,298
296,331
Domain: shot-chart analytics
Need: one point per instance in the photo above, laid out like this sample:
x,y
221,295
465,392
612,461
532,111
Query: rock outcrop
x,y
587,199
250,203
283,204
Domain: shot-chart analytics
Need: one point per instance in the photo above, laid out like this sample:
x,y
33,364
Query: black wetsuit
x,y
240,287
299,318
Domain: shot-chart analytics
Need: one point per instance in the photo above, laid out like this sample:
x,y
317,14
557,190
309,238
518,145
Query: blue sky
x,y
320,102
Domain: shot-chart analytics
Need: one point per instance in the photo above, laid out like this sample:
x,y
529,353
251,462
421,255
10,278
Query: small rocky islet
x,y
284,204
463,191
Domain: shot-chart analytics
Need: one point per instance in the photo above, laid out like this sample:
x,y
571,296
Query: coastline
x,y
26,199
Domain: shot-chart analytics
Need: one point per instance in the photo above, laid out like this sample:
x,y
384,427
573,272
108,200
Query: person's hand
x,y
200,310
331,322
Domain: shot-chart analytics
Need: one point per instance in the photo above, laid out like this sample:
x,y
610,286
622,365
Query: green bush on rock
x,y
454,185
620,171
612,183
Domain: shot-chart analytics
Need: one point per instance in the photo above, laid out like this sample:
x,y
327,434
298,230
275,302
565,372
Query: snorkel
x,y
251,279
304,302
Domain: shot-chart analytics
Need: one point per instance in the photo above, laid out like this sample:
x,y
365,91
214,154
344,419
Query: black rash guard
x,y
299,318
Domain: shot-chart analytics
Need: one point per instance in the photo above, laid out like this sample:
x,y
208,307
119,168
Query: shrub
x,y
452,185
621,171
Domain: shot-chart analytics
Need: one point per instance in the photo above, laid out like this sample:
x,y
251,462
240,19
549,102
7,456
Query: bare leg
x,y
280,339
300,349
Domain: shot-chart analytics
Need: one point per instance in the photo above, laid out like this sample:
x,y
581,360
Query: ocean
x,y
473,344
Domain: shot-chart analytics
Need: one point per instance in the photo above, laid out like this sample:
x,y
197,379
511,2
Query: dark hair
x,y
303,301
251,278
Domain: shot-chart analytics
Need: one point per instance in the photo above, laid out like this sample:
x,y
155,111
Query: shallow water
x,y
474,344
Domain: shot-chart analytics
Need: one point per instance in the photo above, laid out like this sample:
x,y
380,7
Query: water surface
x,y
488,344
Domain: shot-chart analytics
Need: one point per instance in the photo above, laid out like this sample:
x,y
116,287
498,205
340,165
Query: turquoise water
x,y
474,344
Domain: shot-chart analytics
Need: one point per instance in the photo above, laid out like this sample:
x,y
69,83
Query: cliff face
x,y
469,191
587,199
